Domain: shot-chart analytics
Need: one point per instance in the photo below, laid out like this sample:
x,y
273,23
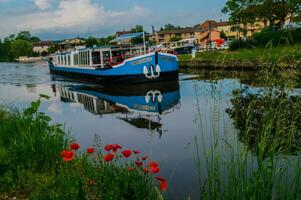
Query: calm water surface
x,y
161,120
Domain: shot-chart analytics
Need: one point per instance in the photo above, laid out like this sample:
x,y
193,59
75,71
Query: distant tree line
x,y
14,46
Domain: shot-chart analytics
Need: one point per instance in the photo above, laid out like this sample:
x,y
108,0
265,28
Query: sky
x,y
60,19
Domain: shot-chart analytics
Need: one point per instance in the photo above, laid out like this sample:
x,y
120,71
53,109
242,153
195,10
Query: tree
x,y
91,41
26,35
21,48
223,35
137,29
169,27
249,11
174,39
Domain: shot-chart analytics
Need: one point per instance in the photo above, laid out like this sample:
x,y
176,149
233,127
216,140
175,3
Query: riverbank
x,y
38,161
287,56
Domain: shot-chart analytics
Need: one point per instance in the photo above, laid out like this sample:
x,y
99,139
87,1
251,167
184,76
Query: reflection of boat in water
x,y
140,105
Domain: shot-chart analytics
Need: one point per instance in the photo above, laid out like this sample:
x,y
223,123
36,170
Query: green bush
x,y
236,44
276,38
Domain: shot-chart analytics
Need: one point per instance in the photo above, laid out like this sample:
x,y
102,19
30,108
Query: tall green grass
x,y
263,160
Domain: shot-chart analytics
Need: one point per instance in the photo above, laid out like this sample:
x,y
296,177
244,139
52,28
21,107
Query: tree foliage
x,y
175,39
91,41
137,29
14,46
249,11
21,48
169,27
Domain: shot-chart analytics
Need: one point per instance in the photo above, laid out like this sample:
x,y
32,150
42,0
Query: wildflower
x,y
154,167
138,163
67,155
108,157
90,150
163,183
155,170
131,169
136,152
109,147
145,170
126,153
116,147
153,164
74,146
144,158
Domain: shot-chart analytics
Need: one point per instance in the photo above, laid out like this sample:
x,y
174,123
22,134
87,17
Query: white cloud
x,y
42,4
55,108
72,16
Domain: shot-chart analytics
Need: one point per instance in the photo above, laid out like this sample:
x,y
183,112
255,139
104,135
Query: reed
x,y
263,159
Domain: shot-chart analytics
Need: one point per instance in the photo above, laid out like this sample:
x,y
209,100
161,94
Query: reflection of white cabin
x,y
90,103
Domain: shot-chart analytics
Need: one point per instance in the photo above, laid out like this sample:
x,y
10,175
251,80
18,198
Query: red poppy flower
x,y
108,157
145,170
155,170
131,169
126,153
144,158
136,151
153,164
109,147
74,146
116,147
163,183
138,163
90,150
67,155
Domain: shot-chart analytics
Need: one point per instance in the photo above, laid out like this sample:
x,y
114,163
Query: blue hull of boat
x,y
149,67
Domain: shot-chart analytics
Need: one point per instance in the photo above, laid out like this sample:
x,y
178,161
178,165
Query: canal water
x,y
163,120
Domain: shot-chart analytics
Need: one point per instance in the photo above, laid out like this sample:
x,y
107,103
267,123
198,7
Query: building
x,y
42,47
69,44
166,35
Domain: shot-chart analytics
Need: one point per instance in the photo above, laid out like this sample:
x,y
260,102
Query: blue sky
x,y
58,19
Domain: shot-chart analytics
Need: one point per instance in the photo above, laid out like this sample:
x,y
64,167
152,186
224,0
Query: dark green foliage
x,y
276,38
137,29
91,41
244,11
21,47
268,37
175,39
237,44
14,46
223,35
169,27
26,35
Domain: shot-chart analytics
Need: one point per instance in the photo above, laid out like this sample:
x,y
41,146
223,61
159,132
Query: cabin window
x,y
69,63
75,59
96,58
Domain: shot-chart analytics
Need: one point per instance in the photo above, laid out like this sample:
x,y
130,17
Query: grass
x,y
265,163
248,54
31,166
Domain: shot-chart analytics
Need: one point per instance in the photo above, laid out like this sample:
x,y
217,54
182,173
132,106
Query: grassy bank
x,y
37,161
288,53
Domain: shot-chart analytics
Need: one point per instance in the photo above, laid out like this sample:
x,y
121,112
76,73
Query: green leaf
x,y
44,96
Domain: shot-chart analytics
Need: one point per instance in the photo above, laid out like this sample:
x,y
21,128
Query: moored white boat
x,y
116,63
